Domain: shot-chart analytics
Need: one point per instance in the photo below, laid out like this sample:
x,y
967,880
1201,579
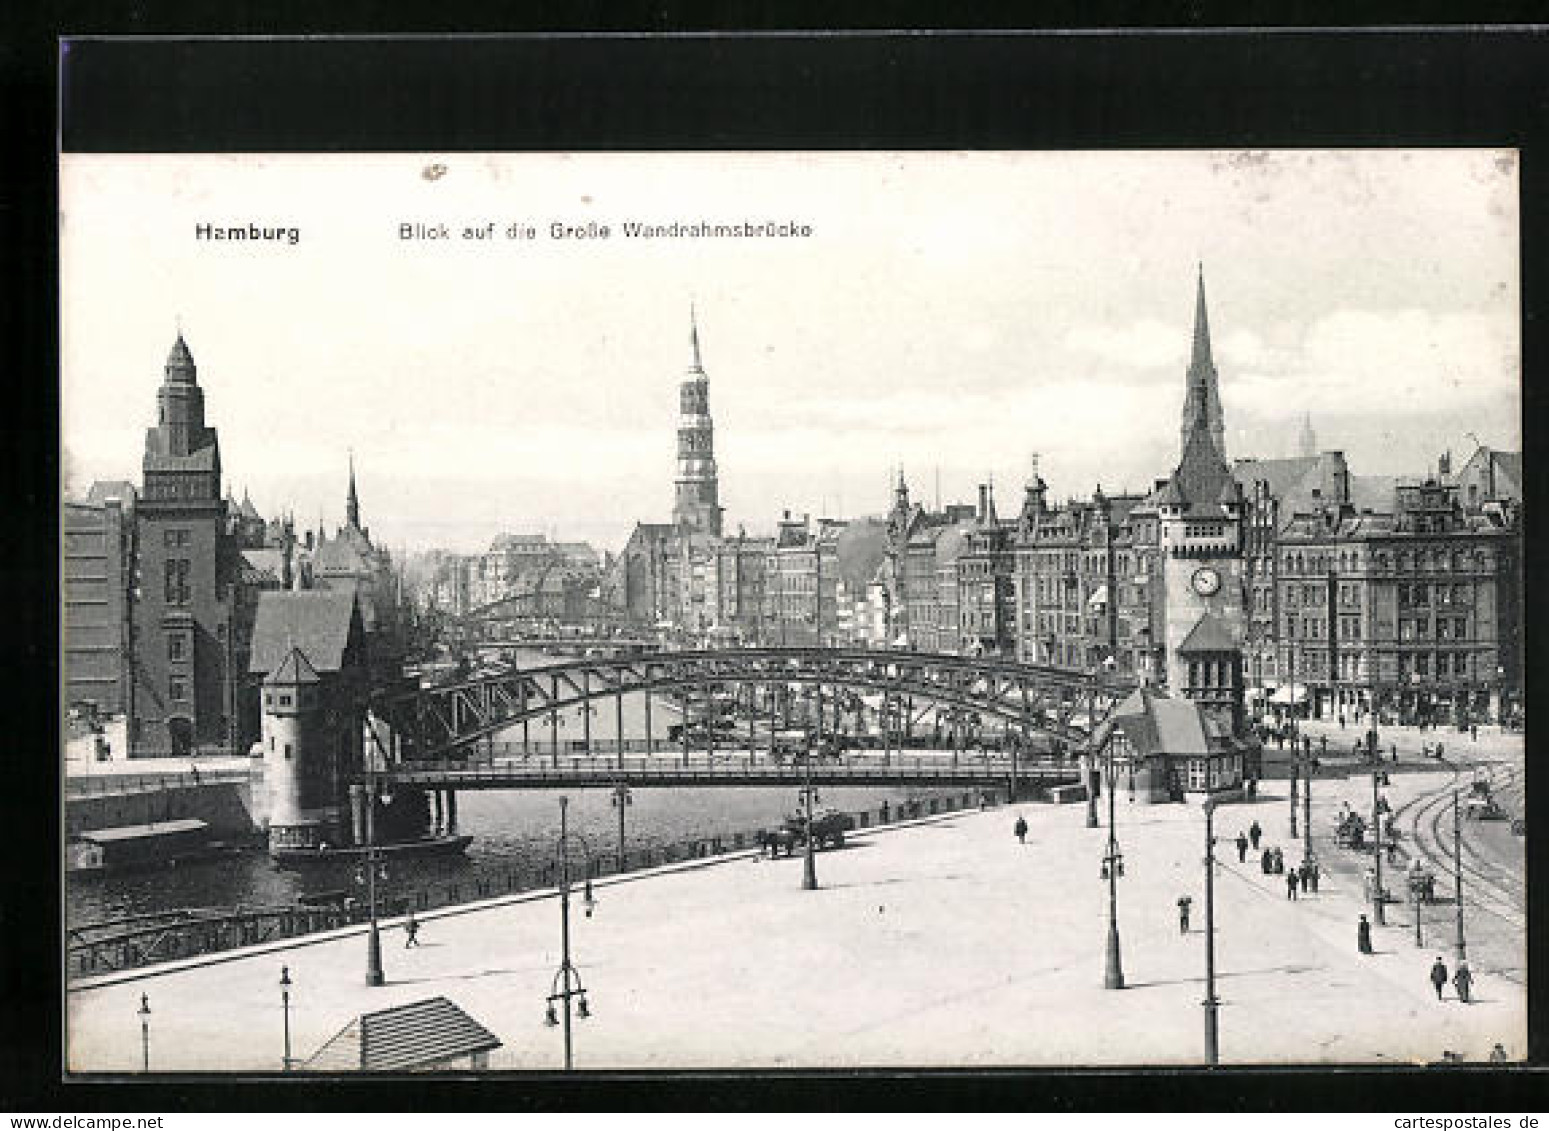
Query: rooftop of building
x,y
321,622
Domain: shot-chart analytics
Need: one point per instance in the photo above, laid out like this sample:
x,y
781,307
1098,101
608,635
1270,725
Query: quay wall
x,y
229,808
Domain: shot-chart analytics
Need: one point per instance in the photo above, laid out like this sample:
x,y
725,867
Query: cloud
x,y
1147,344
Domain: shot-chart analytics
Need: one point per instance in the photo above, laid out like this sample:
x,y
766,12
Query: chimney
x,y
984,501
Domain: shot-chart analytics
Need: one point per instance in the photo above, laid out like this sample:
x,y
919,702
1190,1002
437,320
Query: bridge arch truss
x,y
437,723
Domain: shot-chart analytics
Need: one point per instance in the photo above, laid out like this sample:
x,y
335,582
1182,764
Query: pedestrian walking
x,y
411,931
1312,876
1183,914
1473,732
1363,936
1394,748
1254,832
1290,885
1323,745
1242,849
1439,976
1341,721
1020,828
1463,980
1267,862
1304,876
1279,862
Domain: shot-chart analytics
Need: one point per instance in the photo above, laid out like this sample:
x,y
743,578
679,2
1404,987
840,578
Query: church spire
x,y
1202,401
1307,442
693,336
352,500
1201,354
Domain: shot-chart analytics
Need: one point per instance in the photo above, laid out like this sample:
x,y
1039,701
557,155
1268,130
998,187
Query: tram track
x,y
1488,885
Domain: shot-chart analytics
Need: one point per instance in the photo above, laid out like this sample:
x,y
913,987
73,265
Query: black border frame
x,y
708,90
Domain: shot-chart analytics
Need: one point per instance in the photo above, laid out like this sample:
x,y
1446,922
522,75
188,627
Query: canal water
x,y
513,830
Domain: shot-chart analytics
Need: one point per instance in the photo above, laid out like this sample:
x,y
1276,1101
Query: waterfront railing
x,y
149,940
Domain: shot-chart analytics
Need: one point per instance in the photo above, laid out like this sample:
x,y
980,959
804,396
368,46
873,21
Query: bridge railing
x,y
732,765
140,941
96,785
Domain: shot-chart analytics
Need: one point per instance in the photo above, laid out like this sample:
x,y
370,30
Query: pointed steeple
x,y
1307,442
180,363
352,501
1201,352
1202,401
693,338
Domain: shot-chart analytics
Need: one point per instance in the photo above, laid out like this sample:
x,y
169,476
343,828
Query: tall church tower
x,y
697,506
1202,401
185,662
1307,441
1201,517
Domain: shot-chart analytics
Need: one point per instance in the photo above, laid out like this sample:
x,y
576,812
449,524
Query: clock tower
x,y
1201,518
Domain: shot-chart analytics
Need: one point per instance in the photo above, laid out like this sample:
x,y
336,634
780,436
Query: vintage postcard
x,y
818,610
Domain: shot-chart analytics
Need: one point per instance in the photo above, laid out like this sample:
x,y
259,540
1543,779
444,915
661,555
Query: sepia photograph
x,y
819,610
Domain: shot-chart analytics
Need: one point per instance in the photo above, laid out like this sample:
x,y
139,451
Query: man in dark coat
x,y
1439,976
1290,884
1267,862
1020,828
1242,849
1254,832
1464,981
1183,914
1363,936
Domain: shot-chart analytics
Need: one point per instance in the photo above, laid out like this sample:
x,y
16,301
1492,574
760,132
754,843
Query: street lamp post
x,y
372,864
1309,766
1417,888
1090,768
568,978
1211,1004
809,793
285,984
145,1033
1457,878
1113,868
1296,763
621,798
1378,914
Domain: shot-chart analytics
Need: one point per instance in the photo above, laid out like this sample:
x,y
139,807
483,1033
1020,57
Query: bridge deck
x,y
732,770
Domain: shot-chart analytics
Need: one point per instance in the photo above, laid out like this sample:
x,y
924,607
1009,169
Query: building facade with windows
x,y
1412,613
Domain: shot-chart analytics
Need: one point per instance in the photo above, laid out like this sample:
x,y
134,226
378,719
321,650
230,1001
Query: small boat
x,y
421,846
136,846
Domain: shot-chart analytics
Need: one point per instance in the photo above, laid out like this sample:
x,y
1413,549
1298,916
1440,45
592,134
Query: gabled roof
x,y
293,669
418,1035
263,566
1209,634
1155,723
1283,477
321,622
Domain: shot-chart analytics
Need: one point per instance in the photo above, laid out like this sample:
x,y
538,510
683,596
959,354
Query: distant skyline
x,y
951,312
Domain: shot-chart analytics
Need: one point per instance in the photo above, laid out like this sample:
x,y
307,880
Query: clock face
x,y
1206,581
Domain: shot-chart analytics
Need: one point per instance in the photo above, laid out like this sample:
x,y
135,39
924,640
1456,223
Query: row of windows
x,y
176,537
1437,558
1447,628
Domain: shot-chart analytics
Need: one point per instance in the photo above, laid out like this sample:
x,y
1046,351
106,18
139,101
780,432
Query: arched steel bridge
x,y
443,723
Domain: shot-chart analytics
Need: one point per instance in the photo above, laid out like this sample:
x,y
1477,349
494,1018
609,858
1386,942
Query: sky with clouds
x,y
952,313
